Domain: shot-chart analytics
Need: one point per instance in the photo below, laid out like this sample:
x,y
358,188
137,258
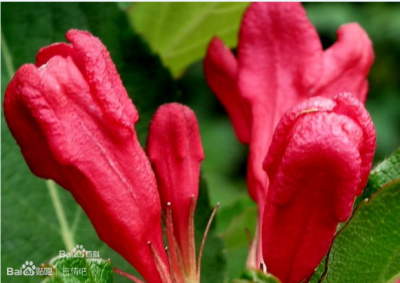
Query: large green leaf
x,y
180,32
42,219
367,249
385,172
318,273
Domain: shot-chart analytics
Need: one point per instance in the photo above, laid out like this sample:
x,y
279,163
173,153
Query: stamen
x,y
175,261
251,262
127,275
175,274
179,256
161,268
192,244
254,257
204,239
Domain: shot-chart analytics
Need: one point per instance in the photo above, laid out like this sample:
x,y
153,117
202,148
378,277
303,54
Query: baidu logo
x,y
29,269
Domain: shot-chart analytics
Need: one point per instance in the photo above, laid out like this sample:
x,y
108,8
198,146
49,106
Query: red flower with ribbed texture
x,y
175,150
74,122
319,160
280,62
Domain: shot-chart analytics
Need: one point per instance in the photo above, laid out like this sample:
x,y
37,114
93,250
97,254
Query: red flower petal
x,y
175,150
220,68
61,49
347,63
319,158
74,123
279,56
29,139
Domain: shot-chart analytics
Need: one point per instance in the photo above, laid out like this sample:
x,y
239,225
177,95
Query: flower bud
x,y
175,150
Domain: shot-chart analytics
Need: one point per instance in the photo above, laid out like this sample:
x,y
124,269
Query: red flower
x,y
280,62
175,150
74,123
319,160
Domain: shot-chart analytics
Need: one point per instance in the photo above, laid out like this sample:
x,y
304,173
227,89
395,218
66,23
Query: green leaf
x,y
180,32
256,276
80,270
43,219
235,234
242,222
367,249
384,173
213,263
318,272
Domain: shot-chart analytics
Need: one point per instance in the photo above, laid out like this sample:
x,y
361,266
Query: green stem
x,y
7,56
66,232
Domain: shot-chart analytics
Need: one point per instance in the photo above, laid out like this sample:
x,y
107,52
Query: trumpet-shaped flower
x,y
74,122
280,62
319,160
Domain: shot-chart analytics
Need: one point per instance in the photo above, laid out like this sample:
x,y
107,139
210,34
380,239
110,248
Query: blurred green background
x,y
158,49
